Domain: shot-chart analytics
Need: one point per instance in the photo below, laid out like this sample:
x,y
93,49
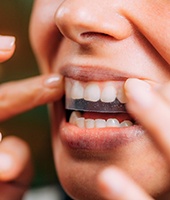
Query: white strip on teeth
x,y
94,91
79,121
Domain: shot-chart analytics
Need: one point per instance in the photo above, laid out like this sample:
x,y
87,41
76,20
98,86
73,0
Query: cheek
x,y
153,22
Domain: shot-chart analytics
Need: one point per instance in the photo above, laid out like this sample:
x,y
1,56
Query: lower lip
x,y
102,139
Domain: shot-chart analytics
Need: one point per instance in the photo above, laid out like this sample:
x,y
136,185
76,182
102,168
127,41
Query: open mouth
x,y
96,116
96,104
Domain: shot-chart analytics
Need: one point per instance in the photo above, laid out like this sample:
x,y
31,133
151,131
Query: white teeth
x,y
89,123
108,94
77,90
100,123
94,91
112,123
79,121
126,123
121,96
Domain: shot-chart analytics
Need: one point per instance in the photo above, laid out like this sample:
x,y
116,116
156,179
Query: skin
x,y
15,159
134,35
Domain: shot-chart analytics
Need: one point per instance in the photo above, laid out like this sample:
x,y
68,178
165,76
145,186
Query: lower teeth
x,y
79,121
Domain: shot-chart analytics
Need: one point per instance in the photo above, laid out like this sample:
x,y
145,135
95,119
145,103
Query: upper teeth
x,y
94,91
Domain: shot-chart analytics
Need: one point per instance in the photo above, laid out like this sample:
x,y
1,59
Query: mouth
x,y
96,105
96,116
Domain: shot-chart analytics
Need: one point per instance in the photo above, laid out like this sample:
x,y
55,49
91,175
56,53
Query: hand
x,y
154,104
16,97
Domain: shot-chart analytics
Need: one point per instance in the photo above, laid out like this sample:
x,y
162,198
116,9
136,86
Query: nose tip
x,y
76,20
72,22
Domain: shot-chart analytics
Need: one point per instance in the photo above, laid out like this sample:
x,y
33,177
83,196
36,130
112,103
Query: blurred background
x,y
32,126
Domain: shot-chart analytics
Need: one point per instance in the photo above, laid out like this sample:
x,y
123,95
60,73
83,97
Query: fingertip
x,y
53,81
110,183
14,157
6,163
55,85
138,93
7,43
115,184
7,47
134,86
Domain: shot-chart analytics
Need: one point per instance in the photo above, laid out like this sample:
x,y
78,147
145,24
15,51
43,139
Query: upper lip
x,y
94,73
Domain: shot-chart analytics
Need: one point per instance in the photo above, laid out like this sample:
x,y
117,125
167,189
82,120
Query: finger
x,y
152,111
7,47
17,97
164,91
15,161
116,185
15,168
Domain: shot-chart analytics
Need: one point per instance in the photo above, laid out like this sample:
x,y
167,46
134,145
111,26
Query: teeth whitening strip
x,y
99,106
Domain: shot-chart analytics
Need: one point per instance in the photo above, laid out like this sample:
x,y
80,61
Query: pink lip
x,y
98,139
95,73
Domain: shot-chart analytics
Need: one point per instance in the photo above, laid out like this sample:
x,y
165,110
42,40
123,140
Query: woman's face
x,y
97,45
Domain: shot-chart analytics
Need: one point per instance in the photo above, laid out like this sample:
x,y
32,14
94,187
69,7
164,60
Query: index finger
x,y
20,96
115,184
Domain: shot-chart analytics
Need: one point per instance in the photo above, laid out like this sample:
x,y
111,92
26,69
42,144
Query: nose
x,y
81,20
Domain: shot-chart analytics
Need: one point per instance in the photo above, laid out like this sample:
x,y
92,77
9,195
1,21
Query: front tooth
x,y
126,123
121,96
92,92
80,122
100,123
77,90
89,123
112,123
108,94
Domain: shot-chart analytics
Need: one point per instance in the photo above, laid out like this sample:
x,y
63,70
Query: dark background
x,y
32,126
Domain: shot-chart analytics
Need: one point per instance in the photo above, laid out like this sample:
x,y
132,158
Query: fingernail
x,y
139,91
6,162
53,81
6,43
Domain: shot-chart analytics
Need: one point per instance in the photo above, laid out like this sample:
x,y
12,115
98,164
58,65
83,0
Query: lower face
x,y
85,141
83,147
81,154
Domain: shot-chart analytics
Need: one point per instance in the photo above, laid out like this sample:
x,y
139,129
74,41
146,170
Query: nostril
x,y
96,35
